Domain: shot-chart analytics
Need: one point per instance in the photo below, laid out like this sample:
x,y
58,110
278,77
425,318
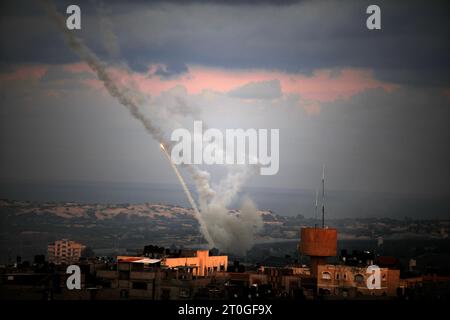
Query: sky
x,y
372,105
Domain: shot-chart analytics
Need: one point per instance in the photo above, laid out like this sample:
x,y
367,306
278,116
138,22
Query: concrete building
x,y
349,281
197,262
65,251
200,264
162,278
147,280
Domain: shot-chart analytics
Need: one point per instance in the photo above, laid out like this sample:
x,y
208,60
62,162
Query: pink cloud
x,y
25,73
322,86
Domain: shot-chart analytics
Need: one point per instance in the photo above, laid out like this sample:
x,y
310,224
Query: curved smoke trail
x,y
228,232
203,226
99,68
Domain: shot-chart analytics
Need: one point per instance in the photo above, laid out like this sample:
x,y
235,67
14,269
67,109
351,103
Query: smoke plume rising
x,y
229,232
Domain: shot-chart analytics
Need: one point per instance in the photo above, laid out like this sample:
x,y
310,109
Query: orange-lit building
x,y
199,263
179,277
65,251
202,264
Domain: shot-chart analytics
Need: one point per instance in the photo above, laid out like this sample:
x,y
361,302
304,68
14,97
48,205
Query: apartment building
x,y
65,251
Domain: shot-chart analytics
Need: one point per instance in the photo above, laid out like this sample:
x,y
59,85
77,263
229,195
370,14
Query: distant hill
x,y
285,202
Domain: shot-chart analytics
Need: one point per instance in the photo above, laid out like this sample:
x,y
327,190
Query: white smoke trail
x,y
99,68
233,233
203,226
228,232
114,90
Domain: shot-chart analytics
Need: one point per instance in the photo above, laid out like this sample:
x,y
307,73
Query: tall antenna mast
x,y
316,214
323,196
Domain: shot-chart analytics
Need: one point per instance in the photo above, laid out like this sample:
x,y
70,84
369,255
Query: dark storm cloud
x,y
28,36
394,141
411,48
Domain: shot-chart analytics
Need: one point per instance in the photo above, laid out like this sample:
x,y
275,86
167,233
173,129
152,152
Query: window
x,y
359,278
326,275
337,276
345,276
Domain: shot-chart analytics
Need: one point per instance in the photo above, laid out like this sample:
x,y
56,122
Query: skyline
x,y
225,156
